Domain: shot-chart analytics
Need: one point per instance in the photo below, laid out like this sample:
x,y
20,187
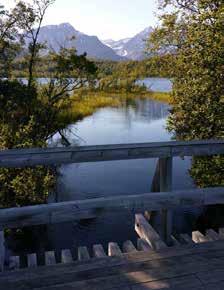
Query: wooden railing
x,y
164,200
57,156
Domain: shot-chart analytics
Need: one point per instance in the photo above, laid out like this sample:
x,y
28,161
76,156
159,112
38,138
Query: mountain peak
x,y
61,35
131,48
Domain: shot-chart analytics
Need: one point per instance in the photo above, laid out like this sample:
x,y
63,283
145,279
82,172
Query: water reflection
x,y
141,121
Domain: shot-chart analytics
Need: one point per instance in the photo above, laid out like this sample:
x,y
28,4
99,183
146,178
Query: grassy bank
x,y
85,104
161,96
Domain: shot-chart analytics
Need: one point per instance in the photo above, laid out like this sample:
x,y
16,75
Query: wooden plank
x,y
76,210
109,277
212,235
98,251
2,250
32,260
50,258
128,247
14,262
185,238
142,245
180,283
55,156
83,254
196,256
198,237
221,233
66,256
146,231
114,249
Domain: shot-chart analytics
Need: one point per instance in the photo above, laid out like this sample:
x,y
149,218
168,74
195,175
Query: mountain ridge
x,y
62,35
132,48
65,35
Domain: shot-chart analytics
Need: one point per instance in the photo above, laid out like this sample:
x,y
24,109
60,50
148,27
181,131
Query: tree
x,y
193,33
31,114
29,20
9,41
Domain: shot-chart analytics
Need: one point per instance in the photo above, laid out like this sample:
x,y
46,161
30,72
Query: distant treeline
x,y
152,67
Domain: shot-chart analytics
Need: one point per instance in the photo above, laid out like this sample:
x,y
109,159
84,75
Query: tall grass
x,y
84,104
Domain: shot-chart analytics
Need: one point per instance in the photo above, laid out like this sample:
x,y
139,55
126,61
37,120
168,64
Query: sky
x,y
108,19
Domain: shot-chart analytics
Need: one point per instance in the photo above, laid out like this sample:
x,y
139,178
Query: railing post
x,y
165,169
2,250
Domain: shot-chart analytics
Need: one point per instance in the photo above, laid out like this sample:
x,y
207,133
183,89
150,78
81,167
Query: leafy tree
x,y
193,33
31,114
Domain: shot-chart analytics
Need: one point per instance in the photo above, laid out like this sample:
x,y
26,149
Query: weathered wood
x,y
185,238
198,237
146,231
212,235
142,245
98,251
66,256
140,261
114,249
2,250
117,276
180,283
128,247
55,156
32,260
76,210
221,233
165,174
14,262
83,254
50,258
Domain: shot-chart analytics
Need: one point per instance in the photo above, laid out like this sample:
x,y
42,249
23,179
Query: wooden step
x,y
114,249
83,254
66,256
212,235
128,247
186,239
32,260
142,245
198,237
98,251
14,263
2,250
50,258
146,232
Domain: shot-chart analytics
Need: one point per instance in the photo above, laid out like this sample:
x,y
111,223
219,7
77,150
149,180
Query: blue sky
x,y
114,19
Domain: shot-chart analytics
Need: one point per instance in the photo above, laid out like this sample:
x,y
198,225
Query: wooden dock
x,y
153,261
189,264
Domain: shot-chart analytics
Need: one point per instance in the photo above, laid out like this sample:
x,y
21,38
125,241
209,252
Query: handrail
x,y
81,209
56,156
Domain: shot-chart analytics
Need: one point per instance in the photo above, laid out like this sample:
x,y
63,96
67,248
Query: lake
x,y
138,121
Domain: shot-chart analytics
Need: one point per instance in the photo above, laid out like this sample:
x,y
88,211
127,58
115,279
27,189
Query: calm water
x,y
141,121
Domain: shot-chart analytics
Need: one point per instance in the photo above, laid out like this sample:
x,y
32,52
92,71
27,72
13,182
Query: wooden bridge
x,y
154,261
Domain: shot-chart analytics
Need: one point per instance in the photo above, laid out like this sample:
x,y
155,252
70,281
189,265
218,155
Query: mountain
x,y
132,48
117,46
57,36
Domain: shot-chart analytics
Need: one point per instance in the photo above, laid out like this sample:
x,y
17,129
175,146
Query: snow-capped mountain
x,y
132,48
